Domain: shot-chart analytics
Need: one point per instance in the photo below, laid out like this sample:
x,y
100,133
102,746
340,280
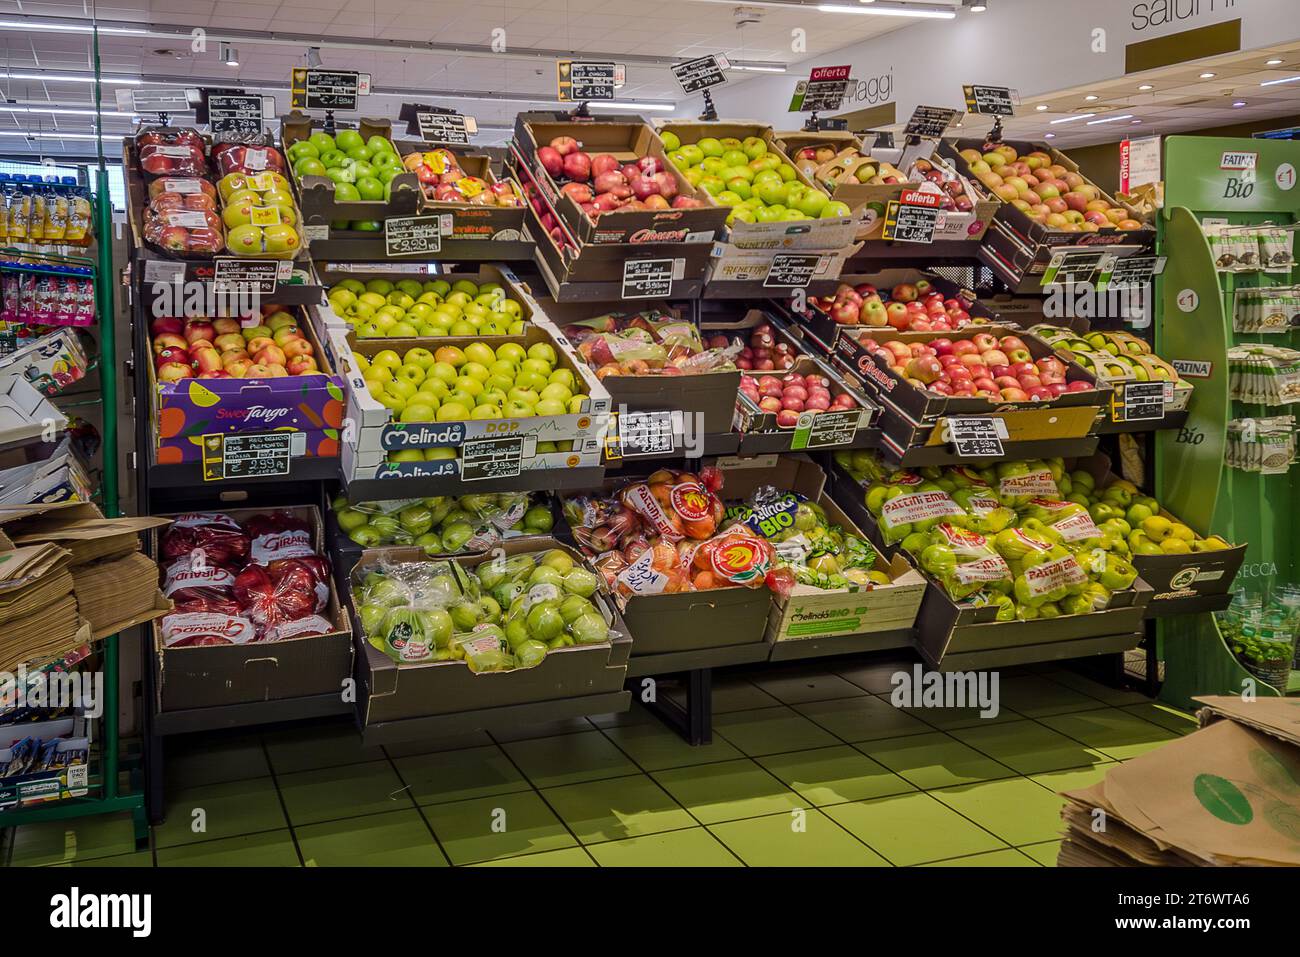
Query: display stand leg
x,y
694,722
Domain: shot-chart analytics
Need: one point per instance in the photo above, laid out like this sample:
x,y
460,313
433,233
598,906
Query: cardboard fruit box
x,y
316,193
481,223
952,225
953,637
332,273
627,142
810,612
395,692
1050,419
377,433
708,396
1176,576
1134,363
216,675
185,412
825,235
1037,233
812,431
829,332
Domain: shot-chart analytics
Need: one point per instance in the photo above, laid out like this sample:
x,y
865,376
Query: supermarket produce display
x,y
491,438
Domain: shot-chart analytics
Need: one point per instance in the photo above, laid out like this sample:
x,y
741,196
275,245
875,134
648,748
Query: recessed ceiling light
x,y
1273,62
1208,76
1092,96
1135,122
1146,86
1049,136
1041,107
1239,103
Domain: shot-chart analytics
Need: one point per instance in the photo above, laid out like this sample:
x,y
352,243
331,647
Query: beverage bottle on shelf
x,y
5,188
56,210
36,213
20,207
79,216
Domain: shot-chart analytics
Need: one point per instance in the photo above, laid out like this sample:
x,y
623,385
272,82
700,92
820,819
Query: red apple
x,y
984,341
1015,395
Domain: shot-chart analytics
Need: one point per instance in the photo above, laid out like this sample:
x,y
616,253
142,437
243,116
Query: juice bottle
x,y
36,214
79,216
19,210
56,210
4,208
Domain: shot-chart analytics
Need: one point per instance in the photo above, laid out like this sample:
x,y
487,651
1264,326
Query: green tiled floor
x,y
808,766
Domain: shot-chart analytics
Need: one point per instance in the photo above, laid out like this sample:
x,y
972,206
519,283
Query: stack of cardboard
x,y
114,584
38,613
1226,795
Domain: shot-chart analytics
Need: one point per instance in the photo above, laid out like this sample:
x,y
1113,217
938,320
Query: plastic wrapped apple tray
x,y
378,434
394,692
184,411
627,143
472,219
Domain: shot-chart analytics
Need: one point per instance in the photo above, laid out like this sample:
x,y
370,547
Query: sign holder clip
x,y
710,113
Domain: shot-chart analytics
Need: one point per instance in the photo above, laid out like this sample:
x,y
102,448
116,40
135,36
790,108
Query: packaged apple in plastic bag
x,y
250,156
734,557
907,504
485,650
270,597
171,151
964,562
218,537
677,504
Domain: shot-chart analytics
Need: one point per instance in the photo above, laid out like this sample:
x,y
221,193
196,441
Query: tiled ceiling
x,y
647,37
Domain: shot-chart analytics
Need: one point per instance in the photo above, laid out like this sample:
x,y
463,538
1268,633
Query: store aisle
x,y
808,765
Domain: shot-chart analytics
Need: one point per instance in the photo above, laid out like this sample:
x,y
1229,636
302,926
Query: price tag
x,y
977,437
701,73
793,269
823,91
906,223
647,278
327,89
648,433
1130,272
930,122
252,455
989,100
169,100
450,128
579,81
264,215
482,459
1065,268
825,429
413,235
235,114
1144,401
255,275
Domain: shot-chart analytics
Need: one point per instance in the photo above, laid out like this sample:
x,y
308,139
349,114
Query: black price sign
x,y
976,437
1143,402
829,429
792,269
255,455
450,128
1066,268
235,113
822,91
646,433
327,89
580,81
1133,271
413,235
482,459
989,100
930,122
647,278
254,275
905,223
701,73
